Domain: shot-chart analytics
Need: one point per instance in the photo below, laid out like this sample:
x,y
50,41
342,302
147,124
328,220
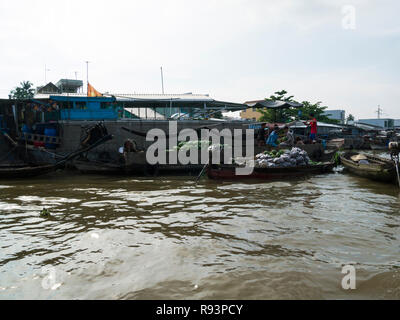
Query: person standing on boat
x,y
273,137
262,135
313,125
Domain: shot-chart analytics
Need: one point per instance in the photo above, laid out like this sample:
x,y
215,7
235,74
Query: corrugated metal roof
x,y
300,124
138,96
47,95
181,97
69,82
330,125
159,98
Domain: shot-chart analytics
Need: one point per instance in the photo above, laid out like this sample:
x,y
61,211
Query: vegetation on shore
x,y
290,114
24,91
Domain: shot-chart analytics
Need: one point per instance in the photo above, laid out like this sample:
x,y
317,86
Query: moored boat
x,y
378,146
27,171
228,172
97,167
36,169
373,167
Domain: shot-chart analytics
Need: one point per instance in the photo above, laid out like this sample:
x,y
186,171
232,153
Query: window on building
x,y
80,105
66,104
105,105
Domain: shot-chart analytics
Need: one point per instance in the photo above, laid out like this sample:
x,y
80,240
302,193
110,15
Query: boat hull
x,y
379,147
26,171
379,169
228,172
95,167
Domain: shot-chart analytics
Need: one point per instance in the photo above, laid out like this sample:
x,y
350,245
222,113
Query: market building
x,y
339,115
384,123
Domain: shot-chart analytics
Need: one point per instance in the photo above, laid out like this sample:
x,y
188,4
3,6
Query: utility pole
x,y
76,78
379,111
162,81
87,75
45,74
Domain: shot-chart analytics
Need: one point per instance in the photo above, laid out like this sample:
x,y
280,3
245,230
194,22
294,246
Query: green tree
x,y
269,115
350,118
281,96
217,115
287,115
24,91
316,109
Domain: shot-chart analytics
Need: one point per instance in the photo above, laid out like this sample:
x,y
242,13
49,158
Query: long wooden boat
x,y
27,171
228,172
133,163
97,167
136,163
378,169
33,170
379,146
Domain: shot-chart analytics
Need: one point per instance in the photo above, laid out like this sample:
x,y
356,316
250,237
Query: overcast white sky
x,y
235,50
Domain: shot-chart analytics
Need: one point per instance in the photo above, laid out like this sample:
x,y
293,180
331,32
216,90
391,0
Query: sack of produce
x,y
282,158
265,164
285,158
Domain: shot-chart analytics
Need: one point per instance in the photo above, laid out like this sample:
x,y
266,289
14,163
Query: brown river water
x,y
168,238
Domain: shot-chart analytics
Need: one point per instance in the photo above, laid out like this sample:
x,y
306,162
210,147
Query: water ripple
x,y
141,238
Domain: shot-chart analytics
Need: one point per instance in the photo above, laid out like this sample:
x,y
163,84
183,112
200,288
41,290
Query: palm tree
x,y
24,91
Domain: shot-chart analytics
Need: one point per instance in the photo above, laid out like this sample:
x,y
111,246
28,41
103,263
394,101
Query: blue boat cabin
x,y
87,108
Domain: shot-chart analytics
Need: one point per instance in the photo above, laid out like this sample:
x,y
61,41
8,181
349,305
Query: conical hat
x,y
359,157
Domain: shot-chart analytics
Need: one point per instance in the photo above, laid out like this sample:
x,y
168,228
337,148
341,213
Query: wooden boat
x,y
132,163
97,167
380,143
228,172
36,169
136,163
27,171
378,146
378,169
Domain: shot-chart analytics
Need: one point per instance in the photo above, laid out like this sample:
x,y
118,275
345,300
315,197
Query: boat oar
x,y
202,171
394,148
77,153
9,138
396,162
